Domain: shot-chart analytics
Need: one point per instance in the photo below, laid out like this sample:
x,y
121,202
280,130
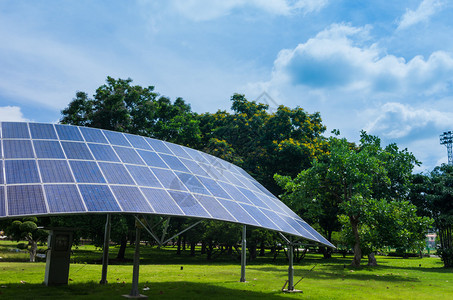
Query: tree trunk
x,y
262,248
178,244
33,248
122,251
192,248
203,247
354,220
372,260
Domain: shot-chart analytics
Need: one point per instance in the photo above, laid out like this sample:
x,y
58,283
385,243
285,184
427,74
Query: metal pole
x,y
290,267
243,253
105,256
134,291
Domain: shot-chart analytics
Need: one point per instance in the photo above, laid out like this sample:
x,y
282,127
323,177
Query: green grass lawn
x,y
162,277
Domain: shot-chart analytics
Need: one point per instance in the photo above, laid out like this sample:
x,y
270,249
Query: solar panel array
x,y
53,169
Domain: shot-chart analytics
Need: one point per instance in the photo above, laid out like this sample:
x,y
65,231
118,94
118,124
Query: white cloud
x,y
11,113
396,120
424,11
200,10
342,58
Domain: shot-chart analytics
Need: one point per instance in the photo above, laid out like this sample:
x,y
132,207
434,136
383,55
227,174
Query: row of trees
x,y
366,191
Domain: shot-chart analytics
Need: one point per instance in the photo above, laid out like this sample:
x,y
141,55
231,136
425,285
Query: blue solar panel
x,y
131,199
214,208
260,217
14,130
253,198
214,187
93,135
196,155
138,142
18,149
68,133
103,152
174,163
143,176
26,200
238,212
178,150
168,179
189,205
2,201
21,171
116,138
152,159
66,169
42,131
99,198
128,155
234,193
55,171
76,150
232,179
194,167
158,146
192,183
48,149
116,173
86,171
161,201
63,198
279,221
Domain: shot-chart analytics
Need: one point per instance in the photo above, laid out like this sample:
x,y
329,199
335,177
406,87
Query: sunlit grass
x,y
161,276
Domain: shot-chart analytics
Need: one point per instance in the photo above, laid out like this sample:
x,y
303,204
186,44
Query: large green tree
x,y
347,179
432,193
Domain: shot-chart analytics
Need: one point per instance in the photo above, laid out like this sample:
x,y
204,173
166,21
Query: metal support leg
x,y
243,253
290,267
134,291
105,256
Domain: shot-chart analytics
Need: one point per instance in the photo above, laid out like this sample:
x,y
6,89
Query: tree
x,y
263,143
433,195
348,179
29,231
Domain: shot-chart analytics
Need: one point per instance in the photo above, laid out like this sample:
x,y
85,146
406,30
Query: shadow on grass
x,y
161,290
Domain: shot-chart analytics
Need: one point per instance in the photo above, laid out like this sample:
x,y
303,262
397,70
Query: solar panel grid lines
x,y
39,131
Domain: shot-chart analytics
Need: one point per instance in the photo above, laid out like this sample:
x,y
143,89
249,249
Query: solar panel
x,y
18,149
131,199
103,152
42,131
26,200
68,133
63,169
56,171
99,198
76,150
93,135
21,171
48,149
15,130
63,198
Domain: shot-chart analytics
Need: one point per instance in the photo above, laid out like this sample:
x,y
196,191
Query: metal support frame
x,y
105,256
290,282
135,273
243,253
161,240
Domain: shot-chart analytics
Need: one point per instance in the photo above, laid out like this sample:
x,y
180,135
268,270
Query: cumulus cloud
x,y
423,13
396,120
199,10
11,113
342,57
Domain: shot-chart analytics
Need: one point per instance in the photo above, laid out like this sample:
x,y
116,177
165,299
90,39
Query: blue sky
x,y
382,66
